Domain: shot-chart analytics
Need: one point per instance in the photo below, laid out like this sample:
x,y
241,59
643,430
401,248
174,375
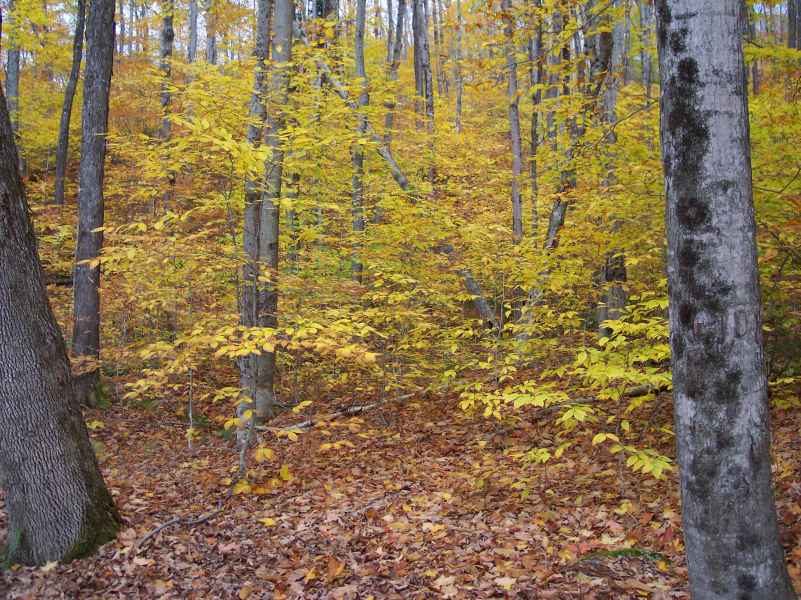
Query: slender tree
x,y
457,68
86,288
357,149
394,65
12,66
66,112
191,46
252,368
57,503
513,99
536,77
165,66
719,383
211,33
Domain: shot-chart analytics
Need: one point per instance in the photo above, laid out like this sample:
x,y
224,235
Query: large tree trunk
x,y
191,46
513,99
86,288
253,367
357,150
57,503
720,388
794,24
66,112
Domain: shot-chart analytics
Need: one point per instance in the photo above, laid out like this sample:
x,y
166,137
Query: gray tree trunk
x,y
267,292
191,47
86,288
12,68
536,77
457,67
253,368
211,34
513,99
390,31
62,148
132,26
394,65
719,383
794,24
165,66
646,29
357,151
424,81
121,34
57,503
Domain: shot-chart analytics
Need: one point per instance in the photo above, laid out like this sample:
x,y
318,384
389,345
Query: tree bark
x,y
57,502
394,65
536,77
720,388
646,27
211,34
165,66
457,67
191,47
357,150
121,33
62,148
424,82
12,68
794,24
253,368
513,100
390,31
86,290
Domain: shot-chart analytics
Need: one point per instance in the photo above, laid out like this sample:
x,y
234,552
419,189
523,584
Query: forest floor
x,y
416,500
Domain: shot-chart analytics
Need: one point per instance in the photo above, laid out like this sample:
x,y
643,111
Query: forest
x,y
374,299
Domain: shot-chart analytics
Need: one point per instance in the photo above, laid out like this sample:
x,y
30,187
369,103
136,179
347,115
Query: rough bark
x,y
390,32
86,290
424,81
357,150
165,66
719,382
57,503
794,24
121,31
62,148
211,33
191,46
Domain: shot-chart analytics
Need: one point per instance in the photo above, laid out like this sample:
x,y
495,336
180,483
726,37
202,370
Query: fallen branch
x,y
346,412
176,521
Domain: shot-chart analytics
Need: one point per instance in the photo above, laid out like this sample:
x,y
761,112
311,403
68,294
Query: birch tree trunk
x,y
191,47
252,368
514,120
357,150
57,502
719,383
62,149
86,287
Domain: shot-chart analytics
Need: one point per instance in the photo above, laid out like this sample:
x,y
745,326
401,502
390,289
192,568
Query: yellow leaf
x,y
284,473
267,521
93,425
241,487
263,454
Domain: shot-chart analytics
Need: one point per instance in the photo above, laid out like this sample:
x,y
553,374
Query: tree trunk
x,y
267,293
457,67
62,148
357,150
390,31
720,388
422,72
121,34
165,66
514,120
132,26
191,47
646,27
794,24
211,34
536,77
57,502
394,65
86,289
253,367
12,67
